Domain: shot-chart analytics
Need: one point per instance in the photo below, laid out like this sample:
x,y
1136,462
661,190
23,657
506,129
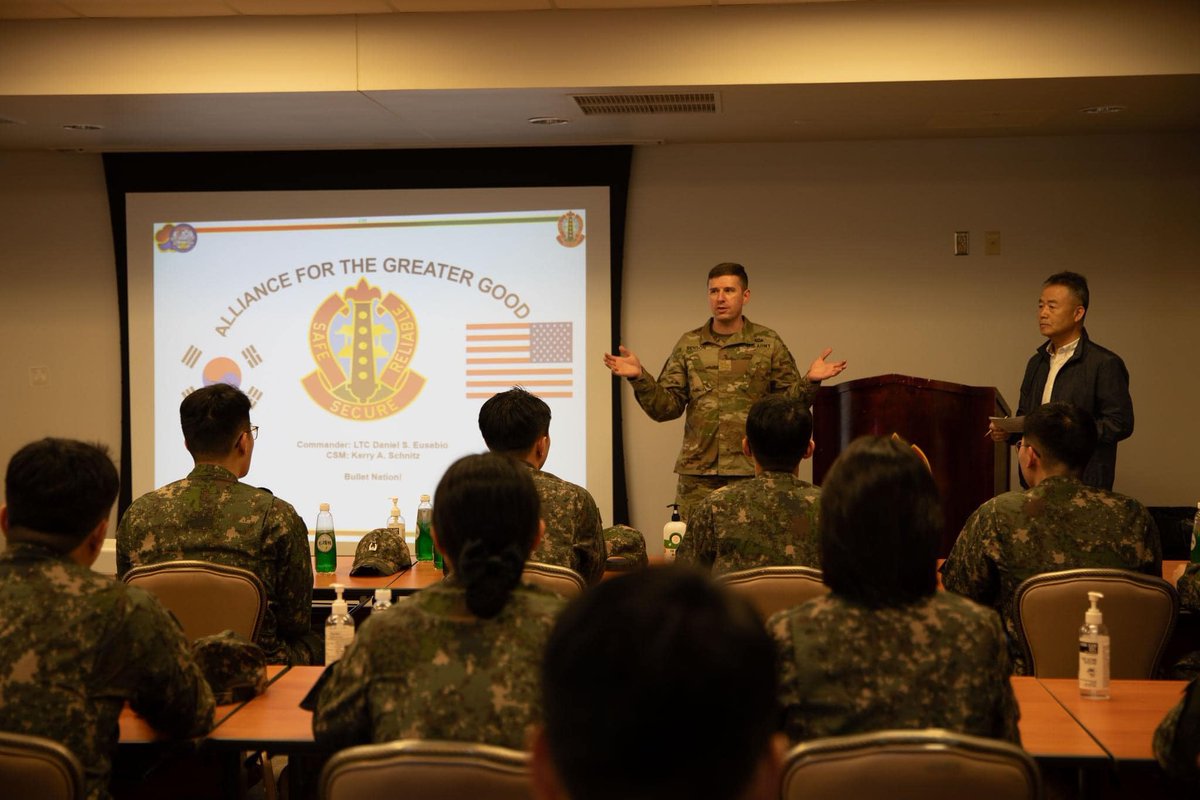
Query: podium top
x,y
927,384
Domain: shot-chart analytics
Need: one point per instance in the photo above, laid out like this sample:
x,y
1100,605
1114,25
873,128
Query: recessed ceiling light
x,y
83,126
1102,110
546,121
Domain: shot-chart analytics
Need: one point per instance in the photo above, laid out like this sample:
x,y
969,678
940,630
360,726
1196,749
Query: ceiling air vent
x,y
659,103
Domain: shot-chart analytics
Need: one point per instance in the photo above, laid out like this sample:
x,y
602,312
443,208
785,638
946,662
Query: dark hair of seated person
x,y
1062,433
658,684
486,517
61,488
881,519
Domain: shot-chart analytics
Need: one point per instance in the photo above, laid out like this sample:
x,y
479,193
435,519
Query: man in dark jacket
x,y
1071,368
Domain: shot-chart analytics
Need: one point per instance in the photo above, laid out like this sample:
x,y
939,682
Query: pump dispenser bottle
x,y
339,628
673,532
383,601
395,521
1093,652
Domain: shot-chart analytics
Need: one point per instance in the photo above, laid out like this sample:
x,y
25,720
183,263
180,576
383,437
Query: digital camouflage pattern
x,y
573,536
936,663
77,647
381,552
1189,589
427,668
236,669
627,546
211,516
716,382
1177,738
766,521
692,490
1058,524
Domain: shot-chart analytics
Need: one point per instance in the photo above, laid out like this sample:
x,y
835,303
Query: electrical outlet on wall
x,y
962,243
39,376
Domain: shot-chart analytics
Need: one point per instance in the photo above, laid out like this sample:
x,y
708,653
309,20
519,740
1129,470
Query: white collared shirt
x,y
1058,357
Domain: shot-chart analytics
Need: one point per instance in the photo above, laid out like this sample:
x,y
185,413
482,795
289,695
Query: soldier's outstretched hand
x,y
820,369
625,365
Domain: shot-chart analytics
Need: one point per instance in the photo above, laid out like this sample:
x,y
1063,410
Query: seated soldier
x,y
885,649
769,520
517,424
212,516
457,660
1058,523
658,685
78,645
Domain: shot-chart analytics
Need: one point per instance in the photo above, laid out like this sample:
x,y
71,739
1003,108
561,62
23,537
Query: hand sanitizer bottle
x,y
673,532
395,521
383,601
339,628
1093,652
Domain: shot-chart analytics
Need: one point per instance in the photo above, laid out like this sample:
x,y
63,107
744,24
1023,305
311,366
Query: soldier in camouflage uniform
x,y
771,519
211,516
885,649
517,424
458,660
1059,523
1177,738
714,374
78,645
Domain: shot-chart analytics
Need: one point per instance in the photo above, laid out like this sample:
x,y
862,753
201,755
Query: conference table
x,y
407,581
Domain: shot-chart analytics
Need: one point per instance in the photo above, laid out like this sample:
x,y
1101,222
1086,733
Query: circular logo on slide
x,y
222,370
180,238
362,342
570,230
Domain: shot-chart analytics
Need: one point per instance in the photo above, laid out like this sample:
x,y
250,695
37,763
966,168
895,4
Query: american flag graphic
x,y
534,355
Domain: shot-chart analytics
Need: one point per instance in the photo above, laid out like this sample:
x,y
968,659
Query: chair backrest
x,y
772,589
560,580
1139,610
928,764
205,598
427,770
31,766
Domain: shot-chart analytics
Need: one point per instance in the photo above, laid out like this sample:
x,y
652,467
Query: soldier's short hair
x,y
730,268
778,429
1062,433
61,487
212,418
658,684
1075,283
485,514
881,520
512,421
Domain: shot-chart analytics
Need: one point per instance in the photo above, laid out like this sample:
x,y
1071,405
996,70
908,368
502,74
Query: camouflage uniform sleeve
x,y
342,717
155,661
124,544
699,540
786,378
293,566
668,397
588,547
1008,712
1177,738
968,570
1152,563
1189,589
780,629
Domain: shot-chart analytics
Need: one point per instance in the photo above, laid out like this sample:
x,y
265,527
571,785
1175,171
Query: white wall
x,y
848,245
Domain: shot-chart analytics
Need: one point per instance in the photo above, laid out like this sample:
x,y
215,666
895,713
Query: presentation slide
x,y
367,341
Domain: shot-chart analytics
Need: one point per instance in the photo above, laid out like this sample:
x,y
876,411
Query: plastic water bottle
x,y
424,530
326,541
1094,653
383,601
339,628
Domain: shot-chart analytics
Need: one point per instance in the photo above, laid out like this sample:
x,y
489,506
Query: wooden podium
x,y
948,421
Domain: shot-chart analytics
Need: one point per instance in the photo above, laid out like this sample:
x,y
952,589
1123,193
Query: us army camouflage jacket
x,y
769,520
573,536
716,383
427,668
77,646
1058,524
211,516
936,663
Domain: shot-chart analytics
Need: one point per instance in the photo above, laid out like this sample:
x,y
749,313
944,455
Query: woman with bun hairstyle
x,y
458,660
